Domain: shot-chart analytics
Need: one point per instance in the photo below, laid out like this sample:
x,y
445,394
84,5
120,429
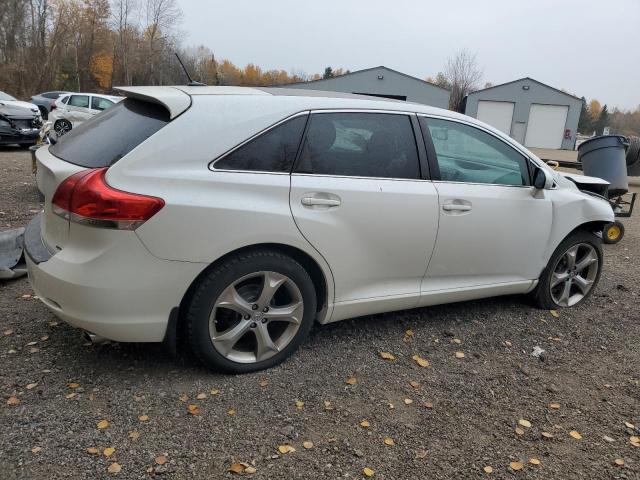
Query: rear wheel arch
x,y
312,267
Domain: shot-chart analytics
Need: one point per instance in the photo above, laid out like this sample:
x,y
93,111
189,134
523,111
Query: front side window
x,y
98,103
81,101
273,151
361,145
468,154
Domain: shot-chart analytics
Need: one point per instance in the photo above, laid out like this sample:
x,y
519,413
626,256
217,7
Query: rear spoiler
x,y
174,100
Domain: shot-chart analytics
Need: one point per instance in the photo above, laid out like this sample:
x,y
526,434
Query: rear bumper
x,y
107,284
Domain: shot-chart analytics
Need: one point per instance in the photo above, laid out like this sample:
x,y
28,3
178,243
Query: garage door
x,y
546,126
496,114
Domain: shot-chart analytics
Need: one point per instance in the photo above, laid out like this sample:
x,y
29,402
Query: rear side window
x,y
273,151
110,135
360,145
79,101
65,100
99,103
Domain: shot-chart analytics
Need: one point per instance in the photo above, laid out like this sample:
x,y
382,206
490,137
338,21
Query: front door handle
x,y
319,201
453,207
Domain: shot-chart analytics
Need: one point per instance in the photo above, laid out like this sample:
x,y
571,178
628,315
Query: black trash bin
x,y
604,157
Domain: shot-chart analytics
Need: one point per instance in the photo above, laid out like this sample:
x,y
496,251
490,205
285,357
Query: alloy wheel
x,y
574,274
61,127
256,316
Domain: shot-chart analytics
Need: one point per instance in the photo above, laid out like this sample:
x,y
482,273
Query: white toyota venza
x,y
238,217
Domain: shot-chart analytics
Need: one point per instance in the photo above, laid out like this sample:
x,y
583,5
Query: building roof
x,y
368,70
525,78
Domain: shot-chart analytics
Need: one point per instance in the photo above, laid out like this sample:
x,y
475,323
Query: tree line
x,y
94,45
594,117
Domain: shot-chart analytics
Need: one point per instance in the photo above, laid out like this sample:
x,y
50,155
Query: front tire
x,y
250,312
572,273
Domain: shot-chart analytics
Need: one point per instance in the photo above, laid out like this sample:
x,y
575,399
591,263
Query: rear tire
x,y
236,325
567,282
62,126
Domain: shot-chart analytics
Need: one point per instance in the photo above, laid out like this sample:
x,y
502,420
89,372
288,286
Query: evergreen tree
x,y
328,73
603,120
585,124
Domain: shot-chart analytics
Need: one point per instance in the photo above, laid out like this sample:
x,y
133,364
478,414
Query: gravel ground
x,y
463,416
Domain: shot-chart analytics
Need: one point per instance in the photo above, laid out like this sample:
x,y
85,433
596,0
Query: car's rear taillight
x,y
85,198
53,105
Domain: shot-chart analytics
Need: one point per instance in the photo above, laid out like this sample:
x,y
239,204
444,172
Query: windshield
x,y
110,135
7,97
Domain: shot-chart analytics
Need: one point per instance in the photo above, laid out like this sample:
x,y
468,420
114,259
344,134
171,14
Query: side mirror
x,y
539,178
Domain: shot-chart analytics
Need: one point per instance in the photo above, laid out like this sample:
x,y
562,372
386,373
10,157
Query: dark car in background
x,y
46,102
19,125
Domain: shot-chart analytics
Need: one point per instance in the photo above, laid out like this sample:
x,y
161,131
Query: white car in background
x,y
70,110
242,216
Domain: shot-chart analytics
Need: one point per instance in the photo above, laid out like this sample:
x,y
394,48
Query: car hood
x,y
17,106
588,184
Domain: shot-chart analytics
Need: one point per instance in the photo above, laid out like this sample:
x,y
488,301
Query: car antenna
x,y
192,83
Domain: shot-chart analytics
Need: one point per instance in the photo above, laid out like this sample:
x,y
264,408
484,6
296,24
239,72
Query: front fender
x,y
572,208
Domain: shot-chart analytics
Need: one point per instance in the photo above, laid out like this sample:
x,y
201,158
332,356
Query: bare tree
x,y
463,76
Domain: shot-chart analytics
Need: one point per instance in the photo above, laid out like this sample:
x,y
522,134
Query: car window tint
x,y
79,101
360,145
468,154
106,138
98,103
272,151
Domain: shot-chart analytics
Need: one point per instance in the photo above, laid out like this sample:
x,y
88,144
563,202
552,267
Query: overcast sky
x,y
590,48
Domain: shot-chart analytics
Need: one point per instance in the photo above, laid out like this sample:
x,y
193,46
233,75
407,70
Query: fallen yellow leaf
x,y
264,383
134,435
13,401
524,423
457,341
184,397
93,450
519,431
250,469
215,392
107,452
459,354
619,462
389,441
420,361
629,425
554,406
161,459
414,384
575,435
488,469
554,313
102,424
73,385
368,472
516,466
231,412
307,445
299,405
201,396
408,401
237,468
8,332
70,395
31,386
428,405
114,468
387,356
143,418
351,381
534,461
547,435
284,449
409,333
365,424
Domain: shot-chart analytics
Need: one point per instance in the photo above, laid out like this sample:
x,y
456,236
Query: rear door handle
x,y
319,201
451,207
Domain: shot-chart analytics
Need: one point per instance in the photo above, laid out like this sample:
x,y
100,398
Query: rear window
x,y
110,135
